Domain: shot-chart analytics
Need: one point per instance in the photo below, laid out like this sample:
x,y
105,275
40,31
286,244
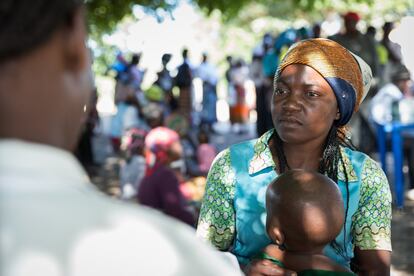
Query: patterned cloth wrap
x,y
158,142
347,74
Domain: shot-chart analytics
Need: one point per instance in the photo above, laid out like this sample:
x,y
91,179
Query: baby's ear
x,y
277,236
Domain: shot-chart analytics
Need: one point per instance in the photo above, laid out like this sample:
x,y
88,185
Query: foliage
x,y
105,14
242,22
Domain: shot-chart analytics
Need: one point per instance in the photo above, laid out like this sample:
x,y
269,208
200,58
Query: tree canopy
x,y
105,14
242,21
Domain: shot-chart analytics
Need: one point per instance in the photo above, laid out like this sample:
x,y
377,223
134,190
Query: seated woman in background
x,y
160,187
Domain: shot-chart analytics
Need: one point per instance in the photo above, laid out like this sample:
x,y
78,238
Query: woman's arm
x,y
373,262
217,220
372,222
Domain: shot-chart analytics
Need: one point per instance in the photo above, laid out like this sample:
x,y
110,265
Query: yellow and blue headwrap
x,y
347,74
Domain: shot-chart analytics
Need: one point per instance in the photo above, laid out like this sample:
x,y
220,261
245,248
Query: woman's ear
x,y
338,115
77,56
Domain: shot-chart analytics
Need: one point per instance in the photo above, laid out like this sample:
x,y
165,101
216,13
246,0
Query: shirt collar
x,y
19,157
262,159
352,177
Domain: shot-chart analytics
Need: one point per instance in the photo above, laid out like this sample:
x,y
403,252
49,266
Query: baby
x,y
305,212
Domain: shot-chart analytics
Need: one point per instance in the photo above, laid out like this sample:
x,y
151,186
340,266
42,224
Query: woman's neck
x,y
306,156
303,156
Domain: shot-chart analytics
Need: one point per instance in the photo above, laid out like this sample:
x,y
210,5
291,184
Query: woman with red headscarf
x,y
160,187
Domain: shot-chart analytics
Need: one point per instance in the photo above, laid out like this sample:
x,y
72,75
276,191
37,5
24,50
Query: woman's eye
x,y
312,94
280,91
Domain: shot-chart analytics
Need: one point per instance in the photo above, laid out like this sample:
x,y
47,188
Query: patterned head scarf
x,y
347,74
159,141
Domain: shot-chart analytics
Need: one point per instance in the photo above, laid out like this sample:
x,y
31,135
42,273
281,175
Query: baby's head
x,y
305,211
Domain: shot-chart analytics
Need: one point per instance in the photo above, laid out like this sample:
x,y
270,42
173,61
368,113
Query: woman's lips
x,y
290,120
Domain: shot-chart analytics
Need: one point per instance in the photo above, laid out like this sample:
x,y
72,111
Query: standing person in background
x,y
363,46
239,110
208,74
136,73
53,220
133,167
395,102
382,54
166,83
270,62
257,76
394,52
184,81
231,92
356,42
316,30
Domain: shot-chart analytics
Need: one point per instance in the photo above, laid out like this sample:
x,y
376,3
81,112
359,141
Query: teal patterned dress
x,y
233,214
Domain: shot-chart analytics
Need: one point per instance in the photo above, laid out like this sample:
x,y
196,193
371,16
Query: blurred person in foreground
x,y
53,221
318,86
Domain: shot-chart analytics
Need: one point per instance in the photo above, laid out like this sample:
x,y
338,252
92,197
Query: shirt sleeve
x,y
217,215
372,221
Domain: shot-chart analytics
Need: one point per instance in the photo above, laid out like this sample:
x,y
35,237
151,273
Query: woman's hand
x,y
265,268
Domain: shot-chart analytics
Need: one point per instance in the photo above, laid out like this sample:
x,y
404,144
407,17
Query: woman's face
x,y
303,106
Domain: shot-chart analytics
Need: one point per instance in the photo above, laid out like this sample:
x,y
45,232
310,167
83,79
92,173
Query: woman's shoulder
x,y
359,166
236,148
358,158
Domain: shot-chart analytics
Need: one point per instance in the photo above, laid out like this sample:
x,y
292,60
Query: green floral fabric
x,y
372,222
217,215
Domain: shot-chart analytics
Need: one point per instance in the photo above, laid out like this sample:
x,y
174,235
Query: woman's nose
x,y
292,103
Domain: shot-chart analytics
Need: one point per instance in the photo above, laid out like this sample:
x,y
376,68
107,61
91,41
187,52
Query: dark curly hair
x,y
26,24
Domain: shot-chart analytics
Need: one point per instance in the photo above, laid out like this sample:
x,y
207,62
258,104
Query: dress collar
x,y
262,159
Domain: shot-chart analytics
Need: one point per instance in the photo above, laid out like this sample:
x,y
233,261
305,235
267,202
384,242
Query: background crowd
x,y
55,222
170,102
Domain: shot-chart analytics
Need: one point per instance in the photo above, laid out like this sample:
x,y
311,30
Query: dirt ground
x,y
403,241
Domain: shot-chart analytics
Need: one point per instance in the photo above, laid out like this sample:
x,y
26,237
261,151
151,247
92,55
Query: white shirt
x,y
54,222
208,73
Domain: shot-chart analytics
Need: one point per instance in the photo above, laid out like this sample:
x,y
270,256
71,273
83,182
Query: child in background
x,y
305,212
133,168
205,152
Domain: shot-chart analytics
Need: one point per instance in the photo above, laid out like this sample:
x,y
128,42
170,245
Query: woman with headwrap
x,y
160,187
318,86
